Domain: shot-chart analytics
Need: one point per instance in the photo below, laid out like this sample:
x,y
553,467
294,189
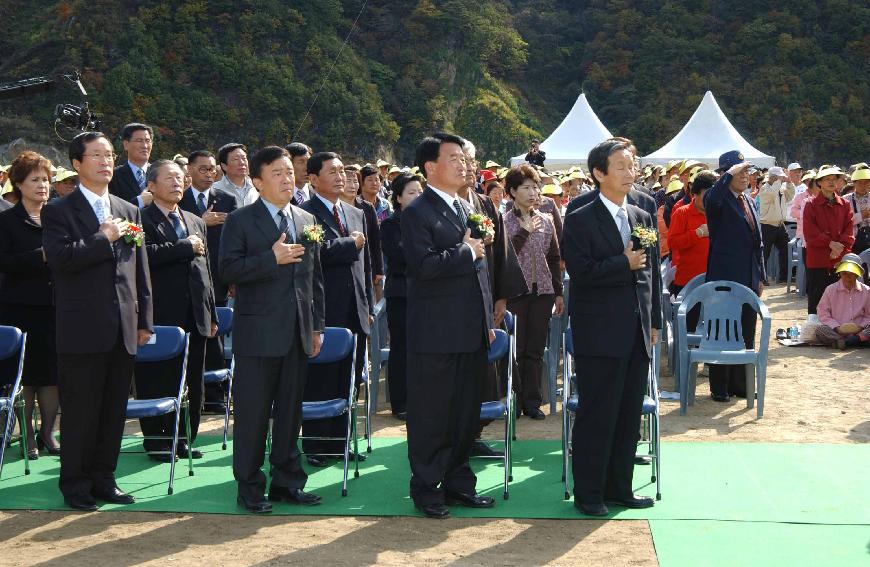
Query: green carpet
x,y
735,544
820,484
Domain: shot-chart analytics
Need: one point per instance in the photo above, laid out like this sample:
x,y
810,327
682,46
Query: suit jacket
x,y
221,202
736,252
346,273
26,279
639,199
505,275
124,184
273,303
180,280
608,298
449,298
391,243
101,288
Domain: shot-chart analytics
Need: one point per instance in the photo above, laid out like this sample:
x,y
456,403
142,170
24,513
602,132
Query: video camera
x,y
73,117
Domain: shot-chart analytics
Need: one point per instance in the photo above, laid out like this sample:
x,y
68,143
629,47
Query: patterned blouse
x,y
538,252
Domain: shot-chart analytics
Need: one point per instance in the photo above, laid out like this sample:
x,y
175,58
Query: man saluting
x,y
449,330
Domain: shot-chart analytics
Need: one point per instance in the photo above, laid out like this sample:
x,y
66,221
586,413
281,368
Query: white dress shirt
x,y
92,201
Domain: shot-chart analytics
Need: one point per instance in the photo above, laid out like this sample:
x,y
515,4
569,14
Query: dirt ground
x,y
814,395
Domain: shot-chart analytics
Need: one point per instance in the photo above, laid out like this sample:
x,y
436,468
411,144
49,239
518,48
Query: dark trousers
x,y
444,396
817,280
608,419
397,365
93,391
731,379
694,313
330,382
776,237
267,387
160,380
215,360
532,313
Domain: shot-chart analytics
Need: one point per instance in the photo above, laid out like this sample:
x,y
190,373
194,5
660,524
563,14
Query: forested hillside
x,y
794,77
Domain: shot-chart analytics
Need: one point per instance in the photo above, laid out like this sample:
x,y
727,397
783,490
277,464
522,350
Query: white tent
x,y
707,135
570,142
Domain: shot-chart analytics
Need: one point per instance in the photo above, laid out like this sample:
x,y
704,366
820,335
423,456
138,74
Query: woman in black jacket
x,y
26,295
406,187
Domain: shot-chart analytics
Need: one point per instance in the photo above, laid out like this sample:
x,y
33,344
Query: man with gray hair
x,y
775,198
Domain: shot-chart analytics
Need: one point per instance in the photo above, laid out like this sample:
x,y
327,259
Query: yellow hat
x,y
860,165
825,171
415,170
63,174
382,163
672,164
502,172
7,188
394,169
863,173
674,185
693,173
5,167
576,175
850,266
490,163
551,189
809,176
687,164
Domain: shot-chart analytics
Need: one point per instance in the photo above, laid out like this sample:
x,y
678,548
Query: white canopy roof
x,y
570,142
707,135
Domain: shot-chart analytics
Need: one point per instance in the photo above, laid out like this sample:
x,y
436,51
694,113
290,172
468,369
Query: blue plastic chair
x,y
722,338
224,375
650,411
694,338
166,343
796,264
500,349
865,261
12,342
668,272
338,344
378,355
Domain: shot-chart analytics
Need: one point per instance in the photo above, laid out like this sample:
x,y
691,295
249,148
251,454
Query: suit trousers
x,y
397,365
532,313
160,380
264,387
776,237
731,379
215,360
817,280
93,390
444,396
608,419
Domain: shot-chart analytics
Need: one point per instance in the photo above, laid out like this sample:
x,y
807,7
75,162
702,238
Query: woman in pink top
x,y
844,310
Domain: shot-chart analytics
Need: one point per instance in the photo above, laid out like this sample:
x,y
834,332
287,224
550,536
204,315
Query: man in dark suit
x,y
736,254
128,180
300,154
103,298
348,291
183,297
278,325
615,317
449,328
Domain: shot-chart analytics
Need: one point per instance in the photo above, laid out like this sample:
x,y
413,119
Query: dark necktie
x,y
200,203
746,212
140,179
176,224
284,226
460,212
341,228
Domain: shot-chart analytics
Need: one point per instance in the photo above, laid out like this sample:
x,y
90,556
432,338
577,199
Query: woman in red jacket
x,y
689,236
828,233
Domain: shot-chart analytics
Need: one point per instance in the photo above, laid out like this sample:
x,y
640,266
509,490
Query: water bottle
x,y
793,331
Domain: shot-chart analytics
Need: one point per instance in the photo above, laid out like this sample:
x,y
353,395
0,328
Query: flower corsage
x,y
481,226
644,237
312,233
132,233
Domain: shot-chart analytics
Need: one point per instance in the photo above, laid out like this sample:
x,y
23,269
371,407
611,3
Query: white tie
x,y
100,211
623,226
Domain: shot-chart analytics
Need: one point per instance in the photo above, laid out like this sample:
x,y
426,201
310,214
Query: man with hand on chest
x,y
183,297
128,181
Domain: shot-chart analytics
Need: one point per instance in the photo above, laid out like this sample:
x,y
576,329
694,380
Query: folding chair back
x,y
502,349
12,342
224,375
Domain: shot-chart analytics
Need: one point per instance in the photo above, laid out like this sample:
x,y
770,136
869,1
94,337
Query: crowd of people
x,y
93,257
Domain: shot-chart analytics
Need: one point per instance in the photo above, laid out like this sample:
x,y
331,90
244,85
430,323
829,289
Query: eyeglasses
x,y
98,157
205,169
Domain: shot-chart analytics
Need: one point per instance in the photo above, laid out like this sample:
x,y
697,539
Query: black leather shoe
x,y
469,500
437,510
632,501
642,460
535,413
401,416
317,461
721,397
481,449
182,452
261,507
112,495
596,510
292,496
84,503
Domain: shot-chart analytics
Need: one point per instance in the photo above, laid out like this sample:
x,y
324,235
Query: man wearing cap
x,y
859,202
844,310
775,197
829,232
735,255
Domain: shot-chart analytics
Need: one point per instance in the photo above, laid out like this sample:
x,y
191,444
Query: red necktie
x,y
341,228
746,212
